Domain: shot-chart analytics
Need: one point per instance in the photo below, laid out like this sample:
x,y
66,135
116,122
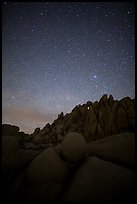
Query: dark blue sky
x,y
60,54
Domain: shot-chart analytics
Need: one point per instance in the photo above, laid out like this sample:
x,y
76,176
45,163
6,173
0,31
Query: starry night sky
x,y
56,55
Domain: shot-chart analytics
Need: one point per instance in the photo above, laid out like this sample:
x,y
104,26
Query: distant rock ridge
x,y
86,155
92,120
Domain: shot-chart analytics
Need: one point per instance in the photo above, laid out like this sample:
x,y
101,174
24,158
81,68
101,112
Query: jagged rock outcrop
x,y
89,103
36,131
99,119
92,120
86,155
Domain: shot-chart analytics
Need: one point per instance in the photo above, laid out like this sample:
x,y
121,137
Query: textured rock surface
x,y
46,176
117,148
36,131
73,148
99,181
48,168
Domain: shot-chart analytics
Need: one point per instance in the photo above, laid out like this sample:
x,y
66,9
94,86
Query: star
x,y
68,98
94,76
13,97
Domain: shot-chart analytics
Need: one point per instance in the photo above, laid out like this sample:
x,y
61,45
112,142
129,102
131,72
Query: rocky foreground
x,y
84,156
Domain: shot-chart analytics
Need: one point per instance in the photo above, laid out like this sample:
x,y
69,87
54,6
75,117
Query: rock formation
x,y
86,155
73,148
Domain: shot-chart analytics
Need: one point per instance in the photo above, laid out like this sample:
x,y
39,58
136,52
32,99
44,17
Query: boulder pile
x,y
86,155
92,120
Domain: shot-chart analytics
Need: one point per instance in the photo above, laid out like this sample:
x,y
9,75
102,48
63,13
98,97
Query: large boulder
x,y
118,148
95,106
9,129
46,129
115,106
36,131
46,176
73,147
103,100
10,151
13,158
47,167
90,124
100,181
106,121
131,112
99,132
121,119
76,114
110,100
126,102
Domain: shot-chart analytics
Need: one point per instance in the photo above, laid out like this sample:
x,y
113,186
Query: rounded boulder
x,y
47,167
74,148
